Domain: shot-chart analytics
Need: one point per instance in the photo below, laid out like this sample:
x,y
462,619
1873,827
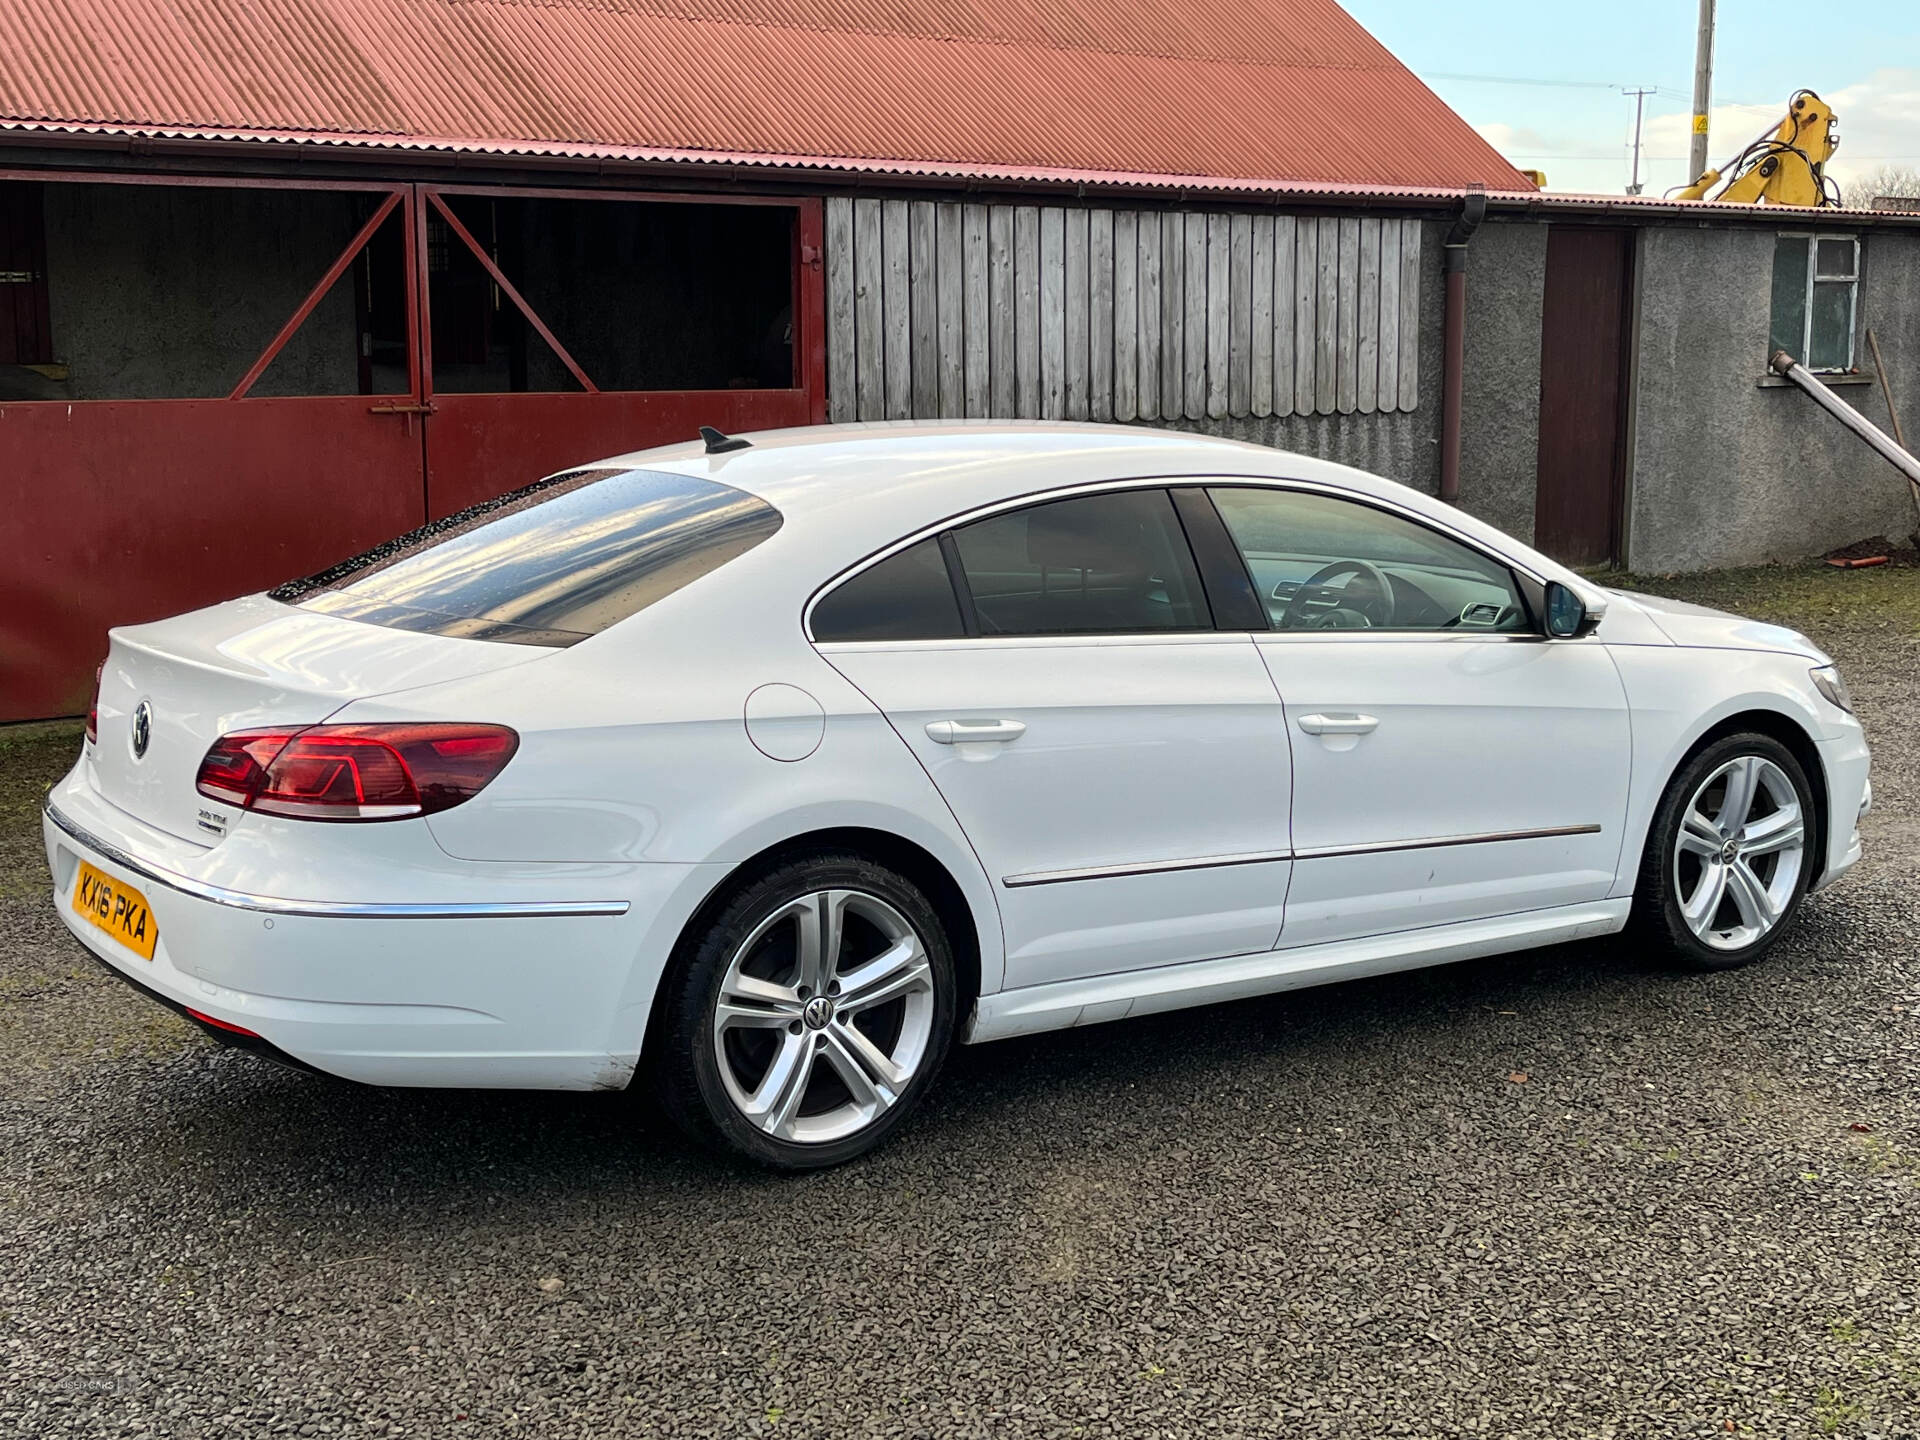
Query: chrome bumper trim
x,y
330,909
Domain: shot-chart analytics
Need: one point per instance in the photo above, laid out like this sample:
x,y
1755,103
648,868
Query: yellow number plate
x,y
117,908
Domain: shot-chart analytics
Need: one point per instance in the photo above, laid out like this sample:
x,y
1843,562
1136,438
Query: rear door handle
x,y
973,732
1347,724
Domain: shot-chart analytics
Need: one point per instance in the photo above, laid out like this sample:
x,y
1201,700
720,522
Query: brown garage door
x,y
1583,348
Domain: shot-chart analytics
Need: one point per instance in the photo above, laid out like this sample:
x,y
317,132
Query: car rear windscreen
x,y
549,564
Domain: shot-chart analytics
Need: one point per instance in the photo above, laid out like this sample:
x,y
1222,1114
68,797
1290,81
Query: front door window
x,y
1322,563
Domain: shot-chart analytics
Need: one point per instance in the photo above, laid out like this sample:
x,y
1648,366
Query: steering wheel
x,y
1375,608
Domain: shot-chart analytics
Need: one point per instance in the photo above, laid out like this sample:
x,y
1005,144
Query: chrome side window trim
x,y
1090,487
329,909
1100,640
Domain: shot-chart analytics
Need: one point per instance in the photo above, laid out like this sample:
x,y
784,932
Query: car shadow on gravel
x,y
315,1144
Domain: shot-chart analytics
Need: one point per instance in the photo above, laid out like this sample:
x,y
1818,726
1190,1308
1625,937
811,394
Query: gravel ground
x,y
1563,1193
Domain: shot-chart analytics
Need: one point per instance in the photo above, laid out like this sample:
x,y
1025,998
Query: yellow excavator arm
x,y
1786,166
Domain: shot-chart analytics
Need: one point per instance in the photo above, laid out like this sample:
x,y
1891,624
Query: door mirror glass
x,y
1567,613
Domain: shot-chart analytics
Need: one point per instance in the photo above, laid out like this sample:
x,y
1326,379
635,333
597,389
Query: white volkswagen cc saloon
x,y
759,772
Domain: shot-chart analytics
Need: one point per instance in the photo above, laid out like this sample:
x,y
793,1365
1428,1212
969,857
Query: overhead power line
x,y
1548,82
1521,80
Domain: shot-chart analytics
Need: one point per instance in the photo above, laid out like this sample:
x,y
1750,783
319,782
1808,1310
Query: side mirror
x,y
1569,615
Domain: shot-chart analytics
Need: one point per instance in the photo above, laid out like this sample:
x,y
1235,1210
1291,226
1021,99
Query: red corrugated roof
x,y
1263,94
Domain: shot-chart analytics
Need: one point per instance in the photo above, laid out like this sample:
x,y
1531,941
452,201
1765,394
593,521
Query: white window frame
x,y
1851,280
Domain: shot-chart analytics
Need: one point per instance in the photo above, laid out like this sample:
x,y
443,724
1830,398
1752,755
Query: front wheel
x,y
1727,861
810,1017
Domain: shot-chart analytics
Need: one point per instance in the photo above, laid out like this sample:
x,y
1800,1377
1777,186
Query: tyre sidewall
x,y
1686,945
695,1058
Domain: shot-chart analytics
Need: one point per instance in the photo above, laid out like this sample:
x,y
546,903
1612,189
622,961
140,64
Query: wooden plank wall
x,y
949,310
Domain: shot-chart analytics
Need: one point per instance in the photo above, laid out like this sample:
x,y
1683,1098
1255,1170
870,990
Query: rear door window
x,y
549,564
1115,563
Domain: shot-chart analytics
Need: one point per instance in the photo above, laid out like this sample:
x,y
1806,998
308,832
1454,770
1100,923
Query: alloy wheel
x,y
1738,855
824,1016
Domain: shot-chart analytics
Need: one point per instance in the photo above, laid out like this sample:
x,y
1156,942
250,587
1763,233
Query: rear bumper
x,y
500,976
215,1030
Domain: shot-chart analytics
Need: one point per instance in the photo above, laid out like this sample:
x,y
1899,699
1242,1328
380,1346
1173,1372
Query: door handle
x,y
973,732
1349,724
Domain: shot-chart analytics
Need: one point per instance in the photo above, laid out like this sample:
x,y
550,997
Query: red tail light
x,y
205,1019
354,772
93,706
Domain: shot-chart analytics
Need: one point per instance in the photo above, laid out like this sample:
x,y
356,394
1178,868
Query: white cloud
x,y
1879,123
1514,139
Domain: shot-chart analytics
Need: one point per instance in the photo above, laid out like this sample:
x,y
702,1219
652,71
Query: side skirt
x,y
1090,1001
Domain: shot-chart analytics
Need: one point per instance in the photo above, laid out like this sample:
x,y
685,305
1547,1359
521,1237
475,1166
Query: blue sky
x,y
1864,58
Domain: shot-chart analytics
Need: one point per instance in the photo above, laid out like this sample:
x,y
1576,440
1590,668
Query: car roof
x,y
936,469
847,491
971,463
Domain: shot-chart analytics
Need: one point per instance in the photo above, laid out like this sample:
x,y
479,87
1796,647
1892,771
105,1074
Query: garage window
x,y
24,338
1816,280
169,292
641,296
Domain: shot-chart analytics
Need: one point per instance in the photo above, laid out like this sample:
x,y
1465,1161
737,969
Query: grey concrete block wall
x,y
1500,393
164,292
1724,470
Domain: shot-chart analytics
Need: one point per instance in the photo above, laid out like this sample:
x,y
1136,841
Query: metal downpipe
x,y
1454,360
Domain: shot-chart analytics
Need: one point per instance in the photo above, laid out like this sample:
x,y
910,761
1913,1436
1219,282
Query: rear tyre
x,y
1728,857
803,1026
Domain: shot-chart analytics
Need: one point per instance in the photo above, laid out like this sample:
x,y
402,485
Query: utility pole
x,y
1639,106
1702,93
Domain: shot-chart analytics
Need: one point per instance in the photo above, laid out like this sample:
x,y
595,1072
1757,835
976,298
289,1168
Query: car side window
x,y
1114,563
908,596
1322,563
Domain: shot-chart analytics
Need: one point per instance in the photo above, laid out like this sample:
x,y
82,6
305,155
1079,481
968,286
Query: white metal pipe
x,y
1895,455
